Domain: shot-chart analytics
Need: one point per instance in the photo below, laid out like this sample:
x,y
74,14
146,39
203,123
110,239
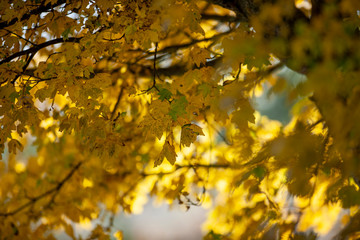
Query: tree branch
x,y
243,8
40,46
26,40
221,18
194,166
185,45
47,193
24,67
117,103
40,9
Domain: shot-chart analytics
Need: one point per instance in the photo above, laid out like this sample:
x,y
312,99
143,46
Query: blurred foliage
x,y
128,99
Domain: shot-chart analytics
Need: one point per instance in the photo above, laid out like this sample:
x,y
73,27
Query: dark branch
x,y
117,103
114,39
26,40
24,67
243,8
193,42
36,48
221,18
154,72
40,9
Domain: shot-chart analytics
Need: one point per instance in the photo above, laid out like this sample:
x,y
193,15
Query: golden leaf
x,y
167,152
189,134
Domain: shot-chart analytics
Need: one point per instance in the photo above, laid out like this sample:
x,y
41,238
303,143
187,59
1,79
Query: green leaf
x,y
42,94
66,33
177,108
349,196
145,158
8,90
164,94
213,236
130,30
204,89
259,172
14,95
244,115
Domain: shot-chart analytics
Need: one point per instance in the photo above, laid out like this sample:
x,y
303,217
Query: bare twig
x,y
30,57
117,103
114,39
154,73
26,40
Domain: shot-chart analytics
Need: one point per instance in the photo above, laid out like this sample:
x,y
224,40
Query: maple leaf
x,y
177,107
349,196
157,126
66,33
199,55
189,133
129,31
164,94
244,115
14,144
205,89
167,152
6,91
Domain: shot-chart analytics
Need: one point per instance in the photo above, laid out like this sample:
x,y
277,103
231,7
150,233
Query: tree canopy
x,y
105,103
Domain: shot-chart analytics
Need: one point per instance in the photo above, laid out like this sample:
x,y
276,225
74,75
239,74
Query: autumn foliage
x,y
105,103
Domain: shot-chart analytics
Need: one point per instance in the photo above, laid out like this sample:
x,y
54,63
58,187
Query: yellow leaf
x,y
19,167
244,115
69,230
157,127
13,145
167,152
189,134
199,55
118,235
87,183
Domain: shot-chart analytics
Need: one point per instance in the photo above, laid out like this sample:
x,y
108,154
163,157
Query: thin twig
x,y
55,190
227,142
193,166
117,103
114,39
154,76
36,48
26,40
177,47
154,73
316,123
31,56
